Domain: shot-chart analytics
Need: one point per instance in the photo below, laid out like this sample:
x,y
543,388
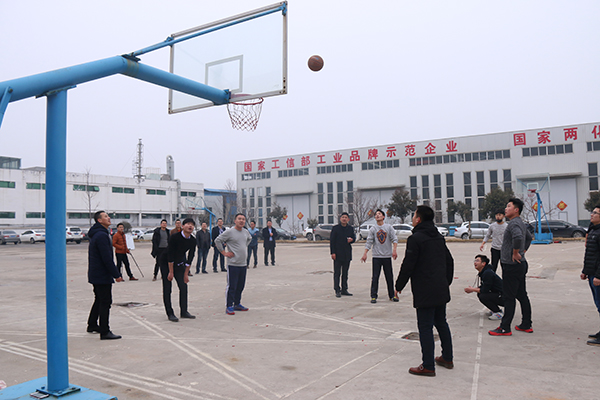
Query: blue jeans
x,y
202,254
595,292
252,250
427,318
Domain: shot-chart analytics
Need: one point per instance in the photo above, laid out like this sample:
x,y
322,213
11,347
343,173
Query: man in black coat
x,y
340,245
430,267
101,271
270,236
216,231
203,242
591,265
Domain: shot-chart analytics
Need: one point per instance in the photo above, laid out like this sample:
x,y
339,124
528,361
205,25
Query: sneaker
x,y
489,313
240,307
395,299
495,316
500,332
230,311
595,336
373,300
528,330
594,342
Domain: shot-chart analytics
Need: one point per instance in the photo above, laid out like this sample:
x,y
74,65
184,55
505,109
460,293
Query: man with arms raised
x,y
237,240
430,267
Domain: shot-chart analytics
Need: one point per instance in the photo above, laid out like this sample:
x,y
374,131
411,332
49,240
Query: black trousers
x,y
514,288
495,259
100,311
216,255
270,249
252,250
340,268
123,259
386,264
491,300
236,280
178,274
202,255
427,318
160,254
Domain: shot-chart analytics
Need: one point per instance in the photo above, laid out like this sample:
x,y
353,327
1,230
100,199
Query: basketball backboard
x,y
245,54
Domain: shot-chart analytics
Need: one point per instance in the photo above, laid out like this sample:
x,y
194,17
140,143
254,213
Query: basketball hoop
x,y
244,114
531,193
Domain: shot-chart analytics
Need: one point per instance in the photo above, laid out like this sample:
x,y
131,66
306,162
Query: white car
x,y
478,230
402,230
363,232
443,231
74,234
137,234
308,233
147,235
32,236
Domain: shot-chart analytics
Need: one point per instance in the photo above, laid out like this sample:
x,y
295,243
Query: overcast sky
x,y
395,71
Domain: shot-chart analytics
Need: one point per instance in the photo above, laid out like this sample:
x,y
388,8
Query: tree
x,y
401,204
463,210
89,196
495,200
363,207
277,213
312,222
592,201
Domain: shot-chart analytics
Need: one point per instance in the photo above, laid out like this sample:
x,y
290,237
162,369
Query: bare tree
x,y
89,196
228,201
363,207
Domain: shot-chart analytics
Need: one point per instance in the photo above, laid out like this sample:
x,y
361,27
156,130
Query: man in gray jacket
x,y
382,238
237,239
515,243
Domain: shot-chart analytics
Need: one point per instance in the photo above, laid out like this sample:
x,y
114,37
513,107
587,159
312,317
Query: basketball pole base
x,y
36,389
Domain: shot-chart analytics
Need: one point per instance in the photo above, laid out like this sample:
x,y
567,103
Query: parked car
x,y
32,236
285,235
148,234
363,231
558,228
402,230
137,234
478,230
308,233
84,235
73,234
9,237
442,230
322,232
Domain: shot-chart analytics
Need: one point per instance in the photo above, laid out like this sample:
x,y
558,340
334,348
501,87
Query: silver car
x,y
32,236
9,237
478,230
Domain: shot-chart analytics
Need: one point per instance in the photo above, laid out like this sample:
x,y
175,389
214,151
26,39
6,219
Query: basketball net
x,y
531,193
245,114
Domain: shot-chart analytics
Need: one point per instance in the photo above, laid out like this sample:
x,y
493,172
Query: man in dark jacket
x,y
591,265
340,246
203,243
269,235
489,291
101,271
430,267
216,231
160,240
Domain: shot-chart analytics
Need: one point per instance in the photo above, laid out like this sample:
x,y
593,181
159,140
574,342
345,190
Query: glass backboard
x,y
246,54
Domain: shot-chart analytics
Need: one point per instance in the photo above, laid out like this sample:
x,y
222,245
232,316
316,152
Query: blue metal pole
x,y
56,251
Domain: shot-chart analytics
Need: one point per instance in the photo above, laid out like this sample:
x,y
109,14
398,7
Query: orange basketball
x,y
315,63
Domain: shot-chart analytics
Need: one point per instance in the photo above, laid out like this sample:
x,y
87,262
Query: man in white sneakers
x,y
489,291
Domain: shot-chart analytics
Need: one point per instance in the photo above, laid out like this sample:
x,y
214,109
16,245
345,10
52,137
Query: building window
x,y
7,184
425,188
480,190
493,179
450,215
35,215
188,194
593,173
151,216
334,169
7,215
158,192
548,150
413,187
449,186
256,176
468,192
35,186
123,190
292,172
385,164
507,179
79,216
84,188
593,146
462,157
437,186
119,216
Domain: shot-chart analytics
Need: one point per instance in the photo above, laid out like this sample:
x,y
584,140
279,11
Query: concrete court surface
x,y
298,341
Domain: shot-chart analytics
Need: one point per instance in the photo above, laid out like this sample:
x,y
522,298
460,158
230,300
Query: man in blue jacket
x,y
101,271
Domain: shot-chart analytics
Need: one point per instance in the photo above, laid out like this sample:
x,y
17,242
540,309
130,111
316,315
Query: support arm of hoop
x,y
4,100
